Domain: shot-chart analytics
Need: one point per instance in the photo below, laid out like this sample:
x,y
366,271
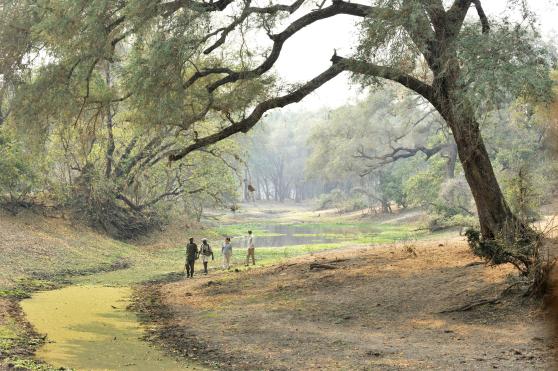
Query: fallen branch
x,y
472,305
321,266
473,264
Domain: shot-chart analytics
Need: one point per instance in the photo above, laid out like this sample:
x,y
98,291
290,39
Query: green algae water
x,y
89,328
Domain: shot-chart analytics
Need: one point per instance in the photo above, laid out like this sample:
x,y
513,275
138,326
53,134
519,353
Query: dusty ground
x,y
378,309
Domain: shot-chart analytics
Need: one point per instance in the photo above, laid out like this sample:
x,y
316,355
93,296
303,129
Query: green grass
x,y
86,258
8,335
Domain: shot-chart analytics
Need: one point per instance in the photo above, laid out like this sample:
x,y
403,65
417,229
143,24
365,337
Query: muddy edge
x,y
29,340
176,341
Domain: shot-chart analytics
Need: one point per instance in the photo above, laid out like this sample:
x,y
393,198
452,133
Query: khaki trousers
x,y
251,253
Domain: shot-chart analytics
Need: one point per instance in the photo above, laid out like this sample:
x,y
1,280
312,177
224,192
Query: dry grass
x,y
379,309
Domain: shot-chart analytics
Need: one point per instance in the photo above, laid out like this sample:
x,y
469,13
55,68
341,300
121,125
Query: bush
x,y
455,198
17,175
523,189
352,203
528,254
331,199
438,222
97,202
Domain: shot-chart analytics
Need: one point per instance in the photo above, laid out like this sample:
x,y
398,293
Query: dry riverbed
x,y
378,308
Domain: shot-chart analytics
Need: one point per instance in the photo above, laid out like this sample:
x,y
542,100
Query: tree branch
x,y
247,123
482,15
388,73
245,14
338,7
210,6
456,16
398,154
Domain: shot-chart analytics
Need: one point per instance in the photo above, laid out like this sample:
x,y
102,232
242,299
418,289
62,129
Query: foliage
x,y
524,164
454,198
128,84
18,176
366,160
330,200
423,188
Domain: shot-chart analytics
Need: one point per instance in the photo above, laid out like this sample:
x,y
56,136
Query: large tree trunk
x,y
495,216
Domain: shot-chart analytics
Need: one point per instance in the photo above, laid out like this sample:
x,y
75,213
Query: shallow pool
x,y
88,328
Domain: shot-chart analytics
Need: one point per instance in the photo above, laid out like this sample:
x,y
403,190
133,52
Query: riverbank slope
x,y
399,306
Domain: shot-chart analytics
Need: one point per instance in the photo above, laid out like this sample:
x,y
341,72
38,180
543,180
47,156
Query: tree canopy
x,y
198,71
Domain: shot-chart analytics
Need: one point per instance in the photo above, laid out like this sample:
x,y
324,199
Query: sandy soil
x,y
380,308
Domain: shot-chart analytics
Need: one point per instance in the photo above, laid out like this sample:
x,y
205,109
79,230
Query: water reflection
x,y
283,235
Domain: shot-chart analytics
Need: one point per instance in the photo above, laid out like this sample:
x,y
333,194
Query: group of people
x,y
193,253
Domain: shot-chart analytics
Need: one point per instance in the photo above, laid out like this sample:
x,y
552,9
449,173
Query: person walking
x,y
227,253
251,248
191,256
205,253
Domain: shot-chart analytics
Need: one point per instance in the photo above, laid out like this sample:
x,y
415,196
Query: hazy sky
x,y
307,53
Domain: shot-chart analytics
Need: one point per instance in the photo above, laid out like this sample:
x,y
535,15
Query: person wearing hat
x,y
191,256
205,253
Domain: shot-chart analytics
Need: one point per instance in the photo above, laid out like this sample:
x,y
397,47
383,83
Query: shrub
x,y
17,175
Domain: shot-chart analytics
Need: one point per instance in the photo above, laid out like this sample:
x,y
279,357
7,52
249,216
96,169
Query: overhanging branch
x,y
247,123
388,73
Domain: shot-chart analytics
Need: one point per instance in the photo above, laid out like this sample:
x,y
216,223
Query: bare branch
x,y
398,154
247,12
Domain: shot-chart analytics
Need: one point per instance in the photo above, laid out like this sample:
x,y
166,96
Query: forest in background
x,y
392,151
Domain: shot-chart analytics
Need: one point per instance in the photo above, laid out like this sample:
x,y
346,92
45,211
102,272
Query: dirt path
x,y
379,308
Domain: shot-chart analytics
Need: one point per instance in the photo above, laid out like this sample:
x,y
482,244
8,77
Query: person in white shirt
x,y
251,248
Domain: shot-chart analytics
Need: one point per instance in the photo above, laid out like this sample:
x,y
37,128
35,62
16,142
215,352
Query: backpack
x,y
206,250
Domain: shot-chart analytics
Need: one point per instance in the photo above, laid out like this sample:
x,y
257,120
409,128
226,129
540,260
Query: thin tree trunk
x,y
451,160
110,136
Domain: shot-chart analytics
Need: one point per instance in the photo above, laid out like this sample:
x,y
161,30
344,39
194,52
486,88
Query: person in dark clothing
x,y
205,253
191,256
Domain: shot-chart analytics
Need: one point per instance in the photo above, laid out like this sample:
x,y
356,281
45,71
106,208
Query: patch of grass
x,y
28,364
210,314
14,293
7,337
271,255
17,339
